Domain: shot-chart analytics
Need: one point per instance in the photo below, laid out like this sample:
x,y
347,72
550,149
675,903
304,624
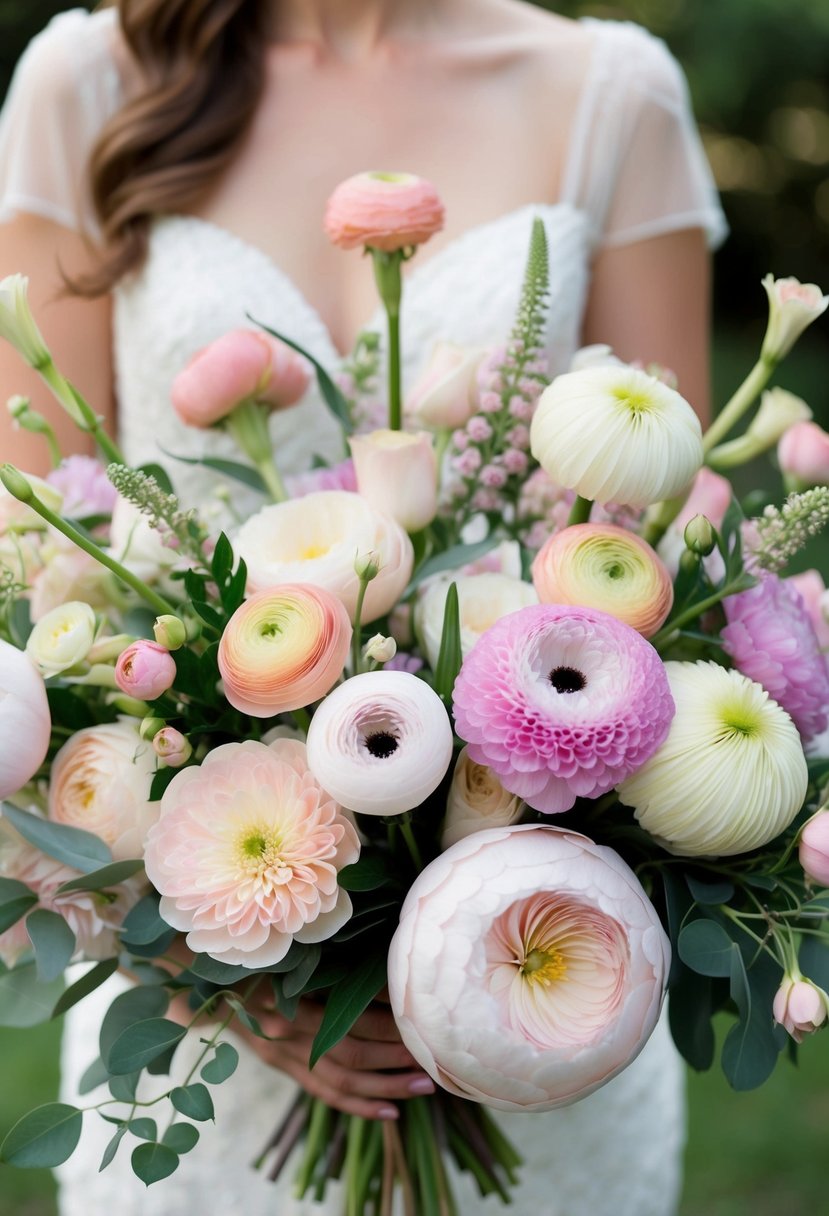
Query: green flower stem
x,y
660,516
420,1133
411,844
372,1158
79,411
671,631
778,954
247,426
317,1139
356,648
155,601
353,1156
390,287
733,410
580,511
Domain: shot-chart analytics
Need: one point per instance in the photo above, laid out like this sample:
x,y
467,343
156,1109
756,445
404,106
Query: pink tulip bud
x,y
397,474
803,453
172,747
445,393
243,365
710,496
814,849
386,211
800,1006
145,670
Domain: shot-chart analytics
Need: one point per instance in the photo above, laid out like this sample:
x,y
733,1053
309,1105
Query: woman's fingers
x,y
350,1103
365,1055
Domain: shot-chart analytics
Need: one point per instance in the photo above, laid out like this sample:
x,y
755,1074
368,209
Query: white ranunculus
x,y
482,600
17,325
528,968
476,800
615,434
25,723
730,776
62,638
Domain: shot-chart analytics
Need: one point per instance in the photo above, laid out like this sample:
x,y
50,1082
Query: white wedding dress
x,y
634,169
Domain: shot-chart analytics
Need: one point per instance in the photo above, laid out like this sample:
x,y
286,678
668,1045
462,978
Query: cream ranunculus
x,y
476,800
730,776
397,473
62,638
444,395
615,434
316,539
482,600
793,306
25,724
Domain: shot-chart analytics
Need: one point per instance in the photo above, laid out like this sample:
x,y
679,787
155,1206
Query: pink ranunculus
x,y
800,1006
283,649
528,968
803,453
385,211
145,670
25,722
813,849
247,851
85,486
710,496
444,396
397,473
812,590
242,365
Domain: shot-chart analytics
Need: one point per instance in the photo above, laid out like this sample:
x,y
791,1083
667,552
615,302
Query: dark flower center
x,y
567,679
381,744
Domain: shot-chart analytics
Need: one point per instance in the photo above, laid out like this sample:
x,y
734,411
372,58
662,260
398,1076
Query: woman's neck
x,y
352,28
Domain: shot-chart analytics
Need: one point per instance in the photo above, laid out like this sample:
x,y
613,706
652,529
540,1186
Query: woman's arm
x,y
650,300
77,331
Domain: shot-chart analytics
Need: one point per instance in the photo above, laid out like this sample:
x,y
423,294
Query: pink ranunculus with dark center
x,y
771,639
145,670
562,702
384,211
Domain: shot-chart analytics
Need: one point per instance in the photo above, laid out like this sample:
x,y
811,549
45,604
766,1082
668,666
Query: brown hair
x,y
202,63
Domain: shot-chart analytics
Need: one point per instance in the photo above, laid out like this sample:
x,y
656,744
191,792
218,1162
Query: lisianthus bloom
x,y
397,473
562,702
812,590
145,670
243,365
100,782
385,211
615,434
444,395
731,774
380,743
476,801
61,638
606,567
86,489
771,639
316,539
813,848
246,854
803,455
17,325
528,968
25,722
793,306
800,1006
283,649
482,600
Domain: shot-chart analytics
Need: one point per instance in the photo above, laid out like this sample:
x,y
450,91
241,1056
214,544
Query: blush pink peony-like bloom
x,y
771,639
528,969
145,670
283,649
803,453
800,1006
562,702
813,848
385,211
246,854
380,743
243,365
85,487
25,722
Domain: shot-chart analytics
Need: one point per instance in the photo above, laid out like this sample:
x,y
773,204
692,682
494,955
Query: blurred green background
x,y
757,72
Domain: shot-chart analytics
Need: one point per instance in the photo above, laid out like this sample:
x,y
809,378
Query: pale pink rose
x,y
397,473
283,649
800,1006
444,395
793,306
246,854
385,211
25,723
803,453
528,968
171,747
815,596
145,670
243,365
813,849
101,781
710,496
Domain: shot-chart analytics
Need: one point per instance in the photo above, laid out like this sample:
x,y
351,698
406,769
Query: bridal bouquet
x,y
511,718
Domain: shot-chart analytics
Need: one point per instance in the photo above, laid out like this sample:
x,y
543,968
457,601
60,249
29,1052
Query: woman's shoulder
x,y
78,56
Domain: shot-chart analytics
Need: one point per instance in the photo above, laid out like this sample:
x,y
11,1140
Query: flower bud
x,y
800,1006
813,849
779,411
145,670
107,650
169,632
367,566
380,648
699,536
150,727
16,483
445,392
803,454
18,406
385,211
793,306
17,325
172,747
397,473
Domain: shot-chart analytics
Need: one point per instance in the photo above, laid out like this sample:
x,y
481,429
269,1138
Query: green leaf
x,y
706,948
710,892
690,1008
143,924
15,901
233,594
193,1101
333,397
247,1019
138,1045
24,999
124,1088
129,1008
96,1074
223,974
152,1162
54,943
287,1005
295,981
74,847
107,876
46,1137
678,903
68,709
144,1129
208,614
88,982
221,563
750,1050
228,468
112,1148
814,961
347,1000
450,559
223,1064
159,784
450,655
367,874
181,1137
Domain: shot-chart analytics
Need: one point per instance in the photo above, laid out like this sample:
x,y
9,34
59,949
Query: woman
x,y
217,129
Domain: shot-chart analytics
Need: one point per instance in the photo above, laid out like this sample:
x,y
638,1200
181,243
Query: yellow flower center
x,y
636,403
544,966
311,551
262,859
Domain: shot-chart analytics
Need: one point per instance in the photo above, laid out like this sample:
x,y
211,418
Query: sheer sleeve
x,y
64,89
639,169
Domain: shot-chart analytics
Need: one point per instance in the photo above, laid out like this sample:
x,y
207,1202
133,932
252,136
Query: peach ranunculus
x,y
482,600
101,781
476,801
528,968
803,454
397,473
384,211
283,648
793,306
444,396
25,722
606,567
243,365
246,854
316,540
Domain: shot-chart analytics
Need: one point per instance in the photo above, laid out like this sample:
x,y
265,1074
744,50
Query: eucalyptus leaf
x,y
707,892
74,847
294,982
367,874
138,1045
88,982
46,1137
108,876
346,1001
112,1148
706,948
193,1101
181,1137
450,559
152,1162
124,1088
814,961
24,999
750,1050
129,1008
223,1064
94,1075
689,1011
15,901
144,1129
143,924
